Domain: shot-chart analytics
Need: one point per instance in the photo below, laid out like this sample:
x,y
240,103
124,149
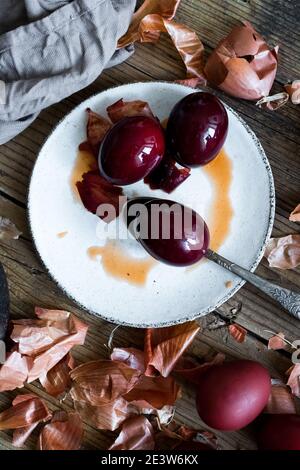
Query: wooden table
x,y
279,133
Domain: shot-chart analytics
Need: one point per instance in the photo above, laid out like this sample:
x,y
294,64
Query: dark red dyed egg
x,y
169,231
197,129
232,395
131,149
280,432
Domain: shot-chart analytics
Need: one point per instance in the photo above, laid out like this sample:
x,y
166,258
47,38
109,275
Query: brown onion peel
x,y
281,401
237,332
153,393
295,214
147,28
14,371
64,432
166,9
293,382
242,64
192,370
40,344
175,434
137,433
98,389
57,380
108,416
97,127
26,412
164,346
277,342
122,109
284,252
273,102
100,382
293,89
133,357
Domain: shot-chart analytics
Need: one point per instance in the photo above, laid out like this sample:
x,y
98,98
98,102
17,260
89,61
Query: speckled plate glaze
x,y
171,295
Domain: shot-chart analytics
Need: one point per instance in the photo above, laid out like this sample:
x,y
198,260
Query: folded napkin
x,y
50,49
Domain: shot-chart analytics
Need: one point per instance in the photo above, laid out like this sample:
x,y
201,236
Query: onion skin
x,y
131,149
232,395
280,432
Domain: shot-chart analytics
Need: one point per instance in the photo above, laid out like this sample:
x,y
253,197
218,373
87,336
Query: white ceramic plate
x,y
171,295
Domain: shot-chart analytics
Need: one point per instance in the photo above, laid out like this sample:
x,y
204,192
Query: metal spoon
x,y
288,299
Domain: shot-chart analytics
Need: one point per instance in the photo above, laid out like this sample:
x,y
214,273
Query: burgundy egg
x,y
280,432
131,149
197,129
169,231
232,395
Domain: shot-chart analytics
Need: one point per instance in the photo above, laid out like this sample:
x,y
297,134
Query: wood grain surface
x,y
279,133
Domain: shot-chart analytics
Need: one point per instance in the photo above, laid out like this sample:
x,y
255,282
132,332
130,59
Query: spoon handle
x,y
289,300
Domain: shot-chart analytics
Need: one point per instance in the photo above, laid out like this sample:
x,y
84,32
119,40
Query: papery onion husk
x,y
192,370
153,392
164,346
293,382
237,332
277,342
293,89
14,371
147,28
295,214
137,433
122,109
166,9
242,64
57,380
167,176
284,253
21,435
40,345
48,339
8,230
281,400
64,432
108,416
185,40
170,437
95,190
132,357
100,382
97,127
273,102
25,411
192,82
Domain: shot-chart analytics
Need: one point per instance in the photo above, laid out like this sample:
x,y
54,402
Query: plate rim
x,y
231,292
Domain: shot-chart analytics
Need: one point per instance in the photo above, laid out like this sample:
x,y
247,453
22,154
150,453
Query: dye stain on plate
x,y
84,163
219,172
120,265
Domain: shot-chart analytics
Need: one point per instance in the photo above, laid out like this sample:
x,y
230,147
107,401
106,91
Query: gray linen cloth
x,y
50,49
